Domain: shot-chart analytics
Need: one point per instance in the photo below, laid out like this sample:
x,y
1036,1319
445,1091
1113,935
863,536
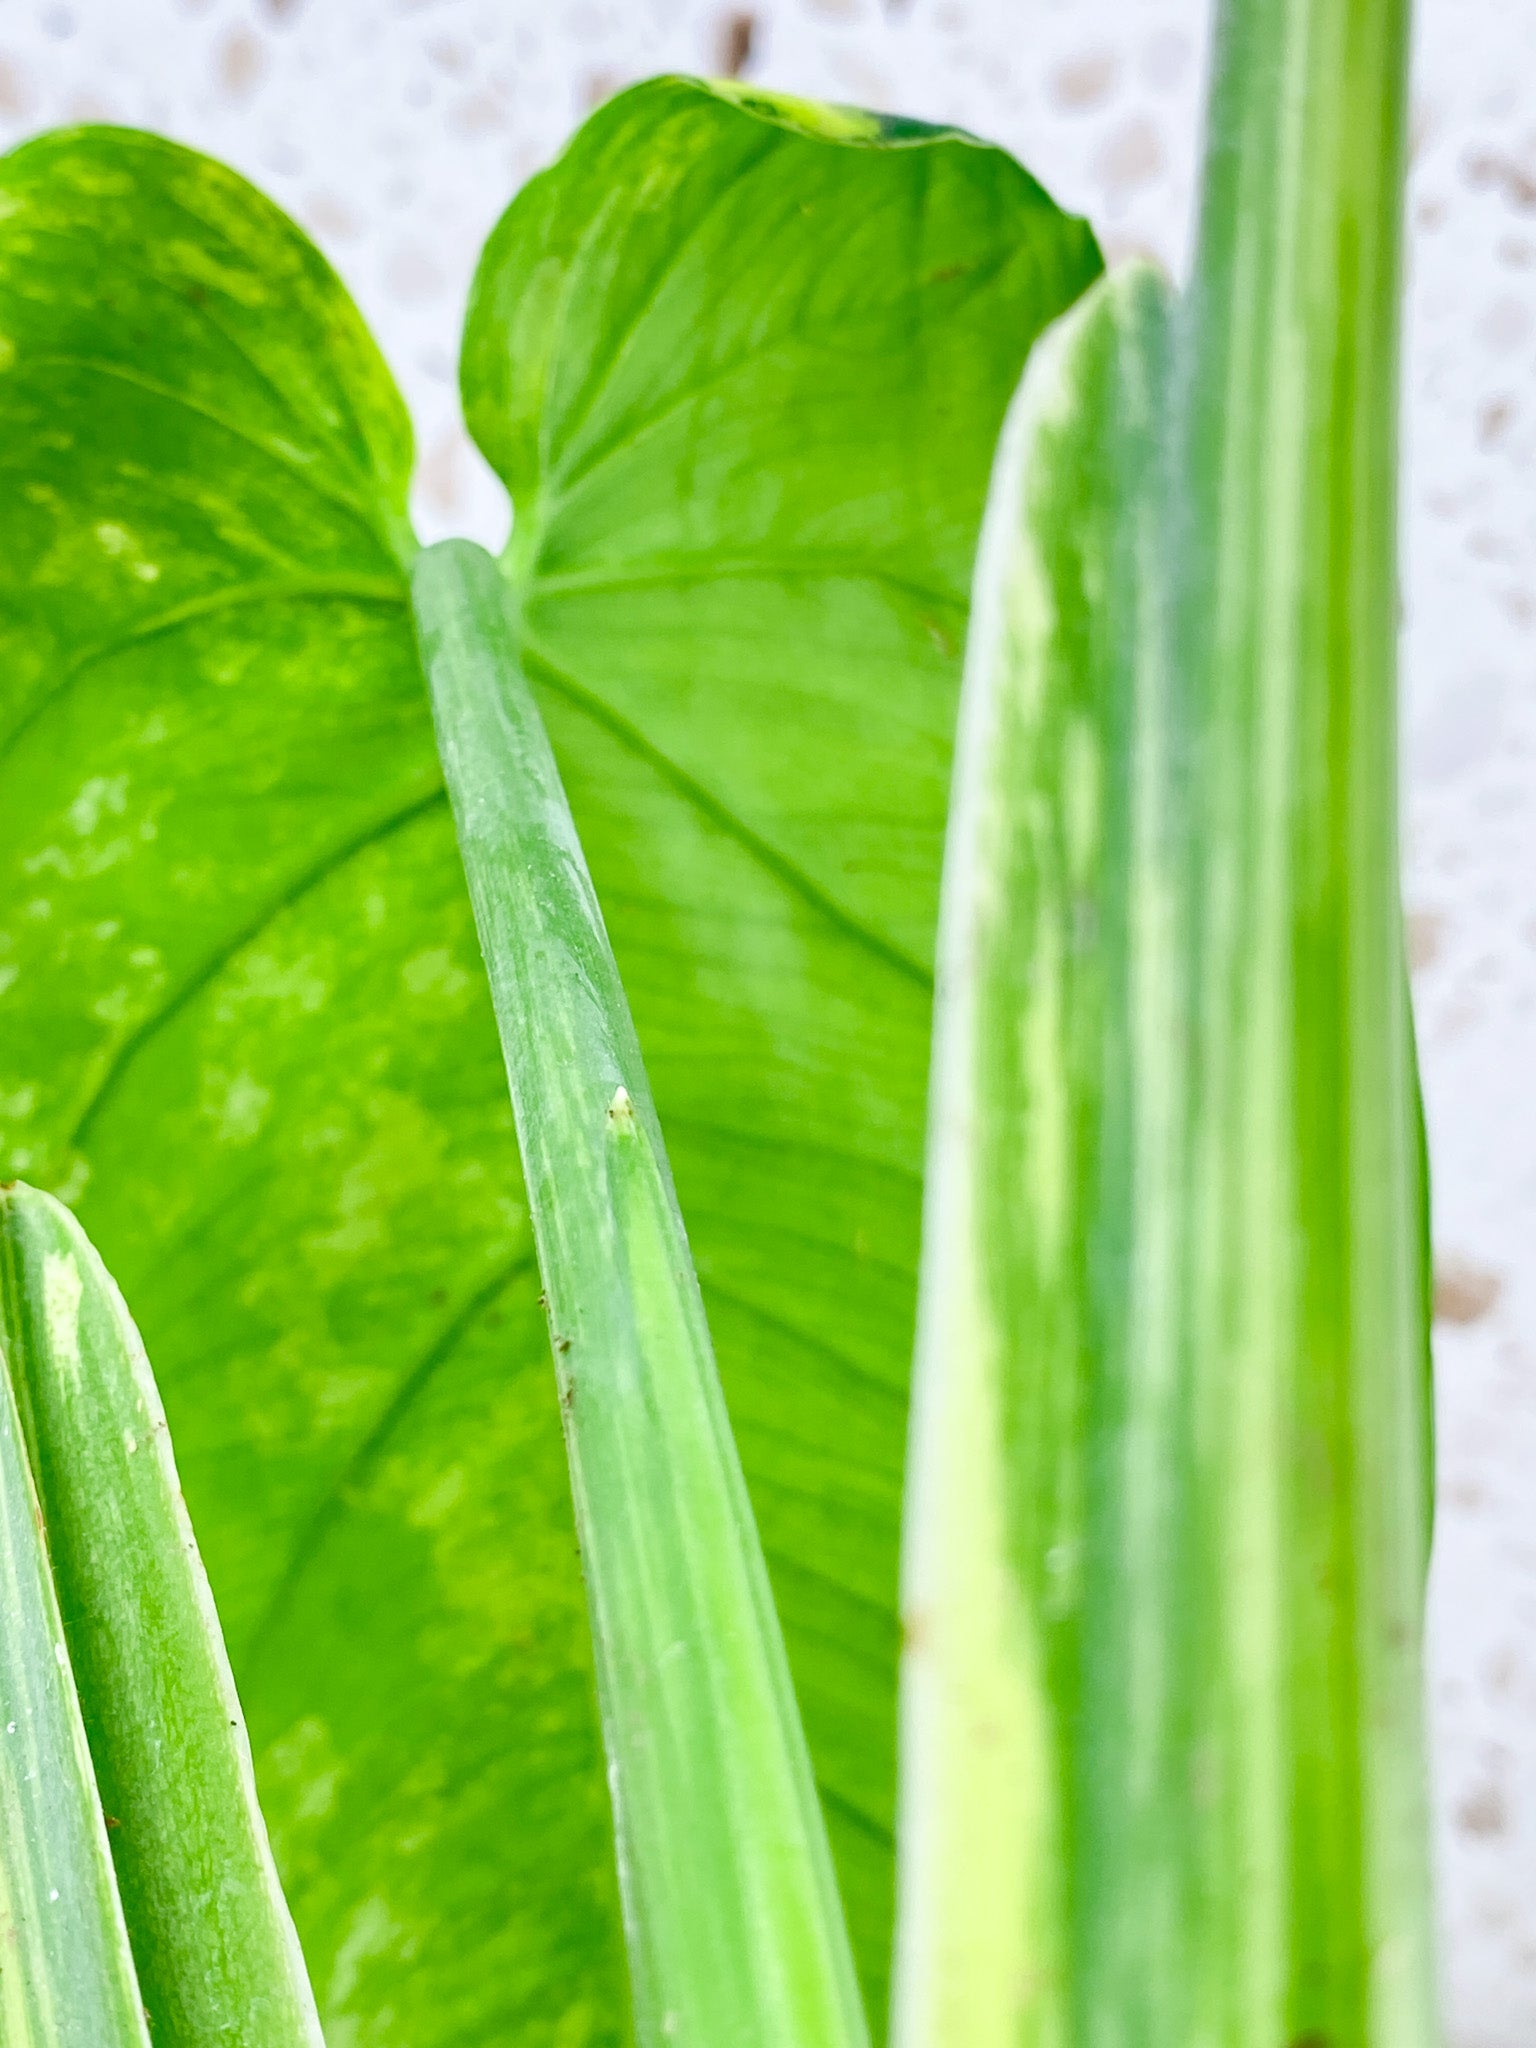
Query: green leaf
x,y
212,1940
245,1028
1307,1315
243,1021
67,1980
1033,1572
736,1932
742,381
1168,1529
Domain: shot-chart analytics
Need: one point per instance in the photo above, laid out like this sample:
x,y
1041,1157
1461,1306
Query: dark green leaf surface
x,y
66,1975
1168,1523
213,1944
744,368
736,1932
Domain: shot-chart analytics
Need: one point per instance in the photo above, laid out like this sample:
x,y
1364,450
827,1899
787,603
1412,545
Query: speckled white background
x,y
396,130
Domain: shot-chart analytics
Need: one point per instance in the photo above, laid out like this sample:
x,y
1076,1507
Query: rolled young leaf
x,y
735,1929
66,1973
1167,1530
1035,1589
216,1954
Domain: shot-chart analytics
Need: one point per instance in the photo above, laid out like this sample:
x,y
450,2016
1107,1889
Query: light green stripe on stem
x,y
735,1930
214,1945
66,1974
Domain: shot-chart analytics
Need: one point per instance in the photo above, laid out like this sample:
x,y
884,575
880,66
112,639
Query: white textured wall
x,y
396,130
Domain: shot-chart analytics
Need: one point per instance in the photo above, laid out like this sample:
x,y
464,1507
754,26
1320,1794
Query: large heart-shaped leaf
x,y
743,366
744,402
245,1028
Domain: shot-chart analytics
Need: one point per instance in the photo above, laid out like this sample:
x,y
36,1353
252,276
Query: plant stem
x,y
213,1943
1162,1758
735,1930
66,1974
1306,1291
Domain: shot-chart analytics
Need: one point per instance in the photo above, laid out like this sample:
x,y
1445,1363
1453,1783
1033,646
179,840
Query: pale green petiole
x,y
211,1938
214,1947
735,1930
66,1974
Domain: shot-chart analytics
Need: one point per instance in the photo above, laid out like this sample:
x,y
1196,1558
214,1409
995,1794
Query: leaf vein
x,y
844,1808
96,366
330,863
608,365
686,571
361,590
411,1386
793,878
822,1346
